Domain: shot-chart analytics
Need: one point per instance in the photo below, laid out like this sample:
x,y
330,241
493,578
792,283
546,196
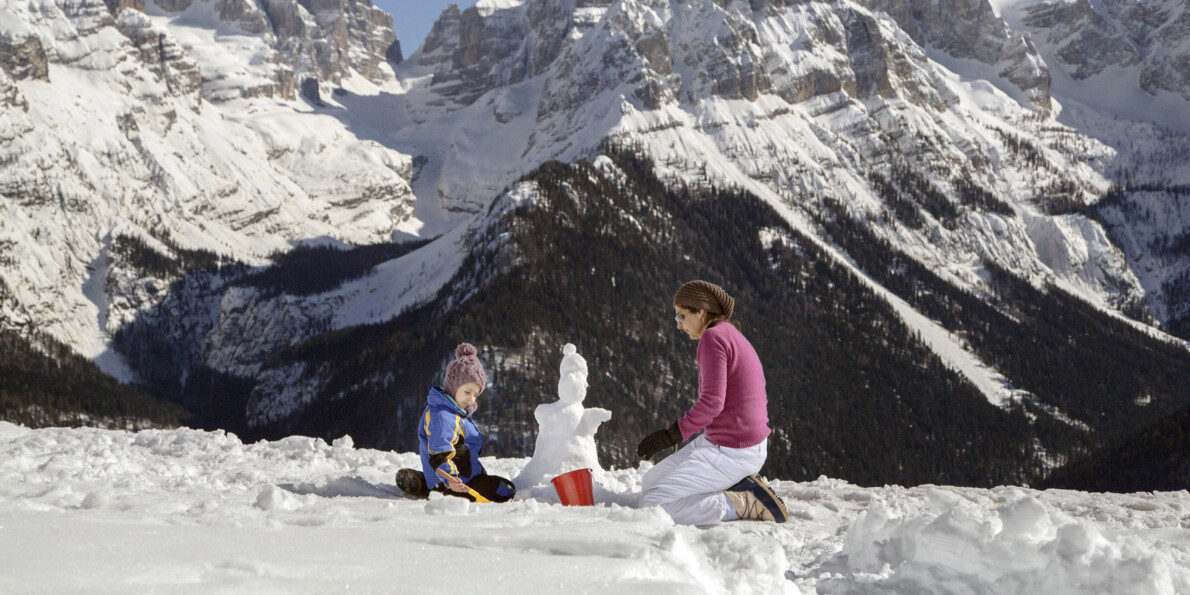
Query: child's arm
x,y
443,431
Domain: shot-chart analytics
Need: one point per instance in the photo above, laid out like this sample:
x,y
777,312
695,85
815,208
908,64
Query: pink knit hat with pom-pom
x,y
465,368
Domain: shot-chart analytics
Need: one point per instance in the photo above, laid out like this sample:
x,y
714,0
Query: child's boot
x,y
413,483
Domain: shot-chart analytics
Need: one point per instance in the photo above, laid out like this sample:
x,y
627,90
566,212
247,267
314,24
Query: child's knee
x,y
494,488
504,491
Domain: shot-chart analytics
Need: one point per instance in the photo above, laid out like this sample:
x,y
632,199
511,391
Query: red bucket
x,y
574,488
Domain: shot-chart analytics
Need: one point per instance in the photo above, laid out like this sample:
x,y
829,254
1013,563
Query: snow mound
x,y
1021,546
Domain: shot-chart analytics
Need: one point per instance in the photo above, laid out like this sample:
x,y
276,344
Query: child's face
x,y
465,395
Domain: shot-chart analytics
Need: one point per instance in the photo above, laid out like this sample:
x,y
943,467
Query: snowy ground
x,y
183,511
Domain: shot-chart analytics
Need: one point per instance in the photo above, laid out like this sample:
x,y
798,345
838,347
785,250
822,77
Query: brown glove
x,y
658,441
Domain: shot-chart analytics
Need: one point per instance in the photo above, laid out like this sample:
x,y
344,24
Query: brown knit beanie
x,y
704,295
465,368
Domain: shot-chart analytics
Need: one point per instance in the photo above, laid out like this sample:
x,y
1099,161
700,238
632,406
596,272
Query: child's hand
x,y
456,484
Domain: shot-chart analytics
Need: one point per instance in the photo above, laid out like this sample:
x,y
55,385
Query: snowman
x,y
566,430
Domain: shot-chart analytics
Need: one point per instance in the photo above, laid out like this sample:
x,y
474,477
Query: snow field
x,y
192,511
186,511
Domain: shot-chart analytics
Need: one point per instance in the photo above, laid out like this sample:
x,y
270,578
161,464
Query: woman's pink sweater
x,y
732,405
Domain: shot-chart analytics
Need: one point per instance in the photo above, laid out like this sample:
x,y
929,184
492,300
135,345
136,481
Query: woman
x,y
713,478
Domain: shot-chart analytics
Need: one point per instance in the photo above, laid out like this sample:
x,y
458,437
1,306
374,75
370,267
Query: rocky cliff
x,y
1145,38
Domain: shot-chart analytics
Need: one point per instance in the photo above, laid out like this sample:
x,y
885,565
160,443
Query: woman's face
x,y
693,322
465,395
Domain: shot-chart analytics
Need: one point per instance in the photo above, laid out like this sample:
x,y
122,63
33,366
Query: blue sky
x,y
412,19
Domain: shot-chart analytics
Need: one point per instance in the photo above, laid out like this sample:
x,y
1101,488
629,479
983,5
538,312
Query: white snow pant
x,y
689,484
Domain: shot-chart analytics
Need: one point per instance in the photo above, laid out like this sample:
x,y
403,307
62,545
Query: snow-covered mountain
x,y
968,135
179,129
1121,69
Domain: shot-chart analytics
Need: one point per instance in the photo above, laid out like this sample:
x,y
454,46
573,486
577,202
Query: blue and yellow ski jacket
x,y
449,440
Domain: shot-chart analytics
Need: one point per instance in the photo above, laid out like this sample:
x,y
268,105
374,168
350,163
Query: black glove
x,y
658,441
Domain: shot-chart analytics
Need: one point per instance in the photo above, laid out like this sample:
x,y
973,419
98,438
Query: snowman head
x,y
572,383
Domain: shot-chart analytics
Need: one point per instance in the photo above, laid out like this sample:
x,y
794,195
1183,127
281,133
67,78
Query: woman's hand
x,y
658,441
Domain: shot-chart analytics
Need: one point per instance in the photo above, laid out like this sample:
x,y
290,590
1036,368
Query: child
x,y
449,440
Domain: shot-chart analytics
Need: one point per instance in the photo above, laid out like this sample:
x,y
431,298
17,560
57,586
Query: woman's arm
x,y
712,385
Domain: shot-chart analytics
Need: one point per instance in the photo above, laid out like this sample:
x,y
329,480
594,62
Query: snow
x,y
1000,7
980,84
487,7
401,283
1020,546
107,359
993,385
230,59
100,511
1114,94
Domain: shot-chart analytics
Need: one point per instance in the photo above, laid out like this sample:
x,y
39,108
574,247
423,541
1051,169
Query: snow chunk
x,y
442,504
96,500
275,498
10,430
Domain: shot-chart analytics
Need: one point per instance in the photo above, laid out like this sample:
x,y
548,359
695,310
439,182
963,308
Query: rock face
x,y
23,58
470,54
969,29
311,92
161,55
1094,45
1147,37
687,52
115,6
299,39
10,95
332,37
